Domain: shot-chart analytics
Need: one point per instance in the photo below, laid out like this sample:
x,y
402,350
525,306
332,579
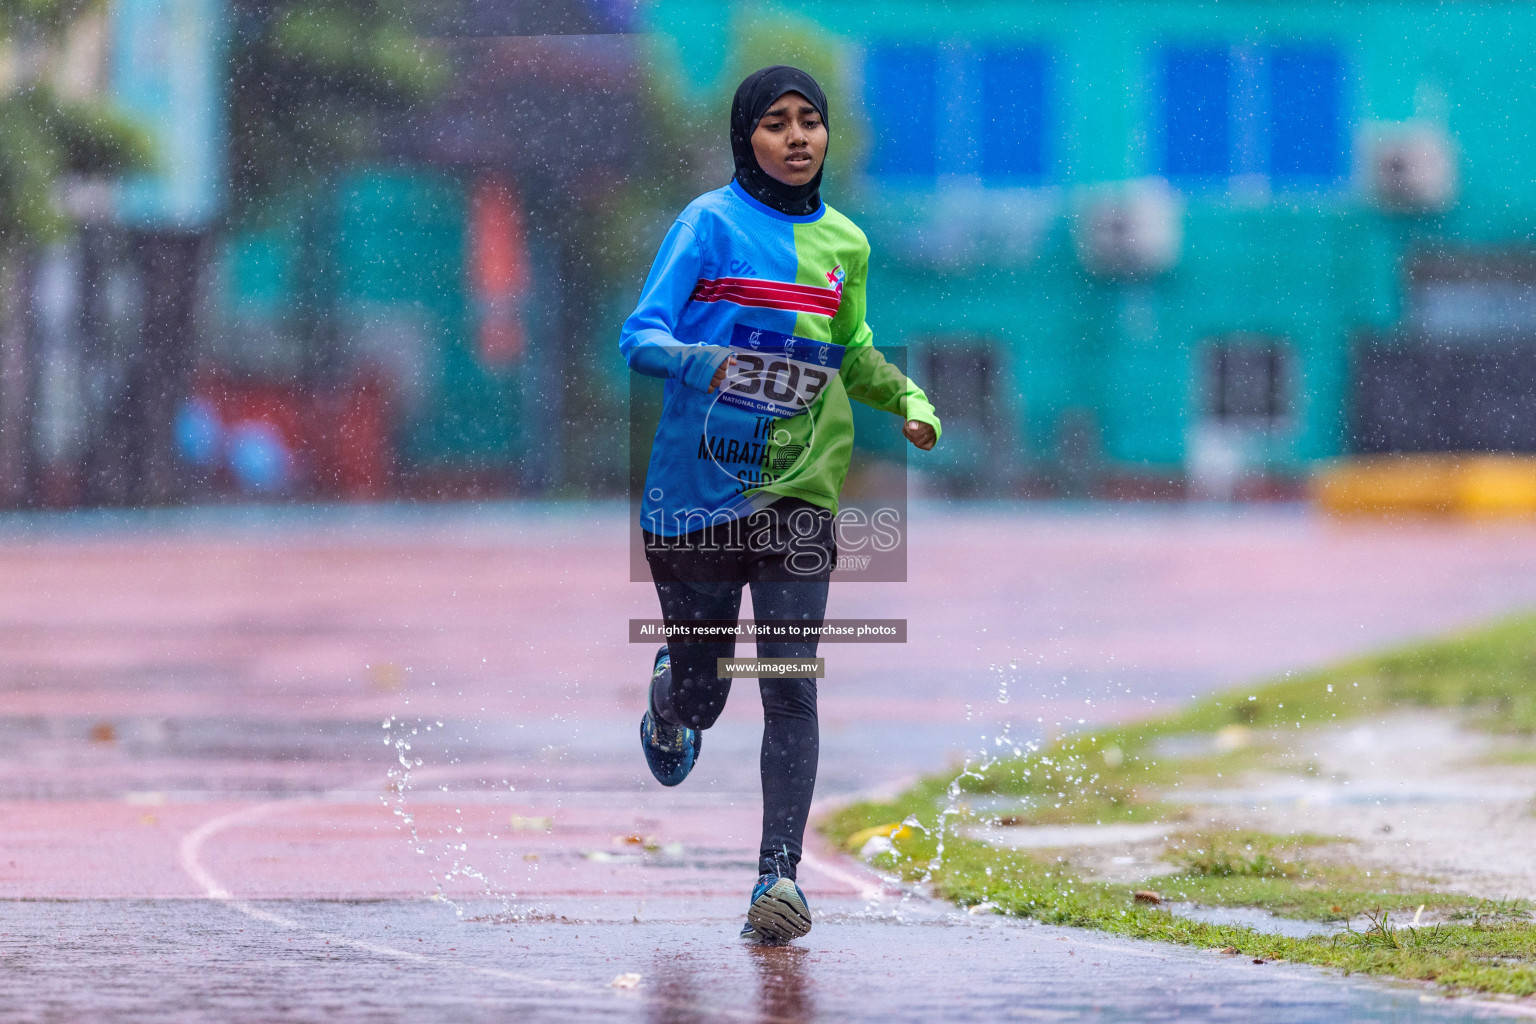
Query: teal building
x,y
1129,248
1137,247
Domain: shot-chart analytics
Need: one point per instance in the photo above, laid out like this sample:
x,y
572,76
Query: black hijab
x,y
753,98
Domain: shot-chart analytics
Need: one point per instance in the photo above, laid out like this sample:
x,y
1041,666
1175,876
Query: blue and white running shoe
x,y
778,912
670,750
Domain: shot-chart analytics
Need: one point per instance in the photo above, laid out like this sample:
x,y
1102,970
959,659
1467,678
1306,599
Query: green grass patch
x,y
1130,773
1488,672
1518,756
1120,773
1283,875
1476,945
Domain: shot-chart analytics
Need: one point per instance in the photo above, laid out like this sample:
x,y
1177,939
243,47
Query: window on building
x,y
902,97
1247,381
963,375
1473,297
1272,111
976,112
1196,128
1459,373
1306,123
960,378
1013,109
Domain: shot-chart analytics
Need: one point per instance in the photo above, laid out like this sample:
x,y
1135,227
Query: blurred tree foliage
x,y
310,84
46,135
53,127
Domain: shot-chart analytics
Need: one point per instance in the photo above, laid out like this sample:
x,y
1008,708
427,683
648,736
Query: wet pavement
x,y
203,718
389,961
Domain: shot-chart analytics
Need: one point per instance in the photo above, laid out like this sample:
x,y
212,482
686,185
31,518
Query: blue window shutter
x,y
1013,114
1197,126
1306,123
901,98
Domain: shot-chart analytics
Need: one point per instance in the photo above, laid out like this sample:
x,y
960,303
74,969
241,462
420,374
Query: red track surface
x,y
194,707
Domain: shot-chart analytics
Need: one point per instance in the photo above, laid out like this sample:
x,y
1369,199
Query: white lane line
x,y
190,854
191,847
868,890
872,886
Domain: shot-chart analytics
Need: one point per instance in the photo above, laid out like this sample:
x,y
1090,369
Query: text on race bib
x,y
777,374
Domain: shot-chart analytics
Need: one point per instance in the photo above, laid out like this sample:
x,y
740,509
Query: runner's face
x,y
790,141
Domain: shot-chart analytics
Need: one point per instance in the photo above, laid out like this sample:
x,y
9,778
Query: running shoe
x,y
670,750
778,912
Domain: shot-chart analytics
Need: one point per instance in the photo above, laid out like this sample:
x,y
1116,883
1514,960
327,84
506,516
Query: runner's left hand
x,y
920,434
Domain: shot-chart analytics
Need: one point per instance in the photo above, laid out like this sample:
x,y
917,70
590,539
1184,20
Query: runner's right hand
x,y
725,367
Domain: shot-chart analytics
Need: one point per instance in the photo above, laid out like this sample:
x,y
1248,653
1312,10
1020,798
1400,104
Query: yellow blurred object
x,y
856,841
1436,484
1498,485
1386,483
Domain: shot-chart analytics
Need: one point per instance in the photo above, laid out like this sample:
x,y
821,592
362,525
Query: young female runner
x,y
754,313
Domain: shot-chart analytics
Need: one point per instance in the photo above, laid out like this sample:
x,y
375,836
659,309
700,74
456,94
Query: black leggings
x,y
785,553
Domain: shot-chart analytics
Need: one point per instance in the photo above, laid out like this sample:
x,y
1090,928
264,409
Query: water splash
x,y
447,850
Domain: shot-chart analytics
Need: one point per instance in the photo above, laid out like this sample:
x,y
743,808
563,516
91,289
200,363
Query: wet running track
x,y
361,765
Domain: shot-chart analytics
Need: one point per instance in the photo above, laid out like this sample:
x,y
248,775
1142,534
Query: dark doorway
x,y
1461,373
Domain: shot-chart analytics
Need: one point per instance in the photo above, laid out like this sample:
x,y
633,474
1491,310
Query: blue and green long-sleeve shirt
x,y
785,295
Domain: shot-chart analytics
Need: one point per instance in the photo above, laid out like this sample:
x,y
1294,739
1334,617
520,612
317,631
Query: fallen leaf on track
x,y
538,824
856,841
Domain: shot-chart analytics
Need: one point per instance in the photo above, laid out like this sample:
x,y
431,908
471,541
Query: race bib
x,y
776,374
